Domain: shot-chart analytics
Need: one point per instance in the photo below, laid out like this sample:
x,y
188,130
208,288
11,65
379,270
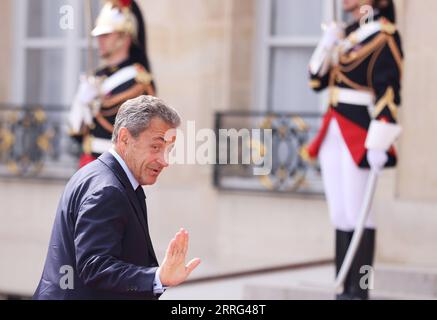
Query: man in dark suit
x,y
100,246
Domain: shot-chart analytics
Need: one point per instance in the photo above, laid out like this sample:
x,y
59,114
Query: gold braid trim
x,y
396,54
387,101
110,112
315,84
362,57
372,66
352,66
365,50
104,123
342,78
135,91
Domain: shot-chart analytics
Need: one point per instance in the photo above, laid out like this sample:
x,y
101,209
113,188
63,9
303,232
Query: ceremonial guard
x,y
125,74
361,66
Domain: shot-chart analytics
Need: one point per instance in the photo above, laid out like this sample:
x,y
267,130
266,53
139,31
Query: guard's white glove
x,y
88,90
80,113
380,138
323,54
377,159
331,36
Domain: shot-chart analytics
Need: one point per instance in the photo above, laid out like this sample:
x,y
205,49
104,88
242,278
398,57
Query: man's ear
x,y
123,136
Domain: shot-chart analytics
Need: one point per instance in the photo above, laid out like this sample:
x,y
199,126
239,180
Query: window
x,y
49,58
288,32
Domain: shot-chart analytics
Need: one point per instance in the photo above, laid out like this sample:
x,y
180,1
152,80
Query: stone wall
x,y
6,50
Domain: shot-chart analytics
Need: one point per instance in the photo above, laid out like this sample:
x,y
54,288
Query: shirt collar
x,y
129,174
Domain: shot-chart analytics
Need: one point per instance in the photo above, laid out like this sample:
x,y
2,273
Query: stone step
x,y
406,281
253,292
391,283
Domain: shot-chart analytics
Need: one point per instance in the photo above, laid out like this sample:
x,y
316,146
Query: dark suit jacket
x,y
101,233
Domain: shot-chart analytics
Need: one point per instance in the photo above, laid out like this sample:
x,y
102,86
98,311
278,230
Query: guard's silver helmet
x,y
113,18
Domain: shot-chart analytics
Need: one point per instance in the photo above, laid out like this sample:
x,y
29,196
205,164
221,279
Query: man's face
x,y
111,43
146,155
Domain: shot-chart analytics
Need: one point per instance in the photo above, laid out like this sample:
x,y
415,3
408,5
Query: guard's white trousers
x,y
344,182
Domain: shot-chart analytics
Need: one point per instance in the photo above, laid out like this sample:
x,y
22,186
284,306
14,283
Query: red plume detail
x,y
125,3
121,3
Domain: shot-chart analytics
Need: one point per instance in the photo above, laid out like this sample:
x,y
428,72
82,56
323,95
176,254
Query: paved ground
x,y
234,289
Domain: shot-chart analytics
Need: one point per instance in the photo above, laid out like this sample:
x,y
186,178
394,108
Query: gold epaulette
x,y
143,76
387,27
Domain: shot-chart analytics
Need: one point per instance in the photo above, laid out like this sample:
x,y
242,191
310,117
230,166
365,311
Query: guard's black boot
x,y
342,241
361,268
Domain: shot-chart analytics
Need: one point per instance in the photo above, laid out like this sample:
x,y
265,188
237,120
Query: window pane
x,y
44,18
45,76
289,90
297,17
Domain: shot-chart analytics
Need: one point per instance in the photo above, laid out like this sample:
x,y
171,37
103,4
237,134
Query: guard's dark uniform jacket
x,y
120,83
370,62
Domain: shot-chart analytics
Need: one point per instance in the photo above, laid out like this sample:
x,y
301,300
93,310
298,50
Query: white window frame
x,y
72,44
265,42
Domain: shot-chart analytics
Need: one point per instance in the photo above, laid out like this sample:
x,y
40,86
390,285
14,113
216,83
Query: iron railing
x,y
290,173
34,143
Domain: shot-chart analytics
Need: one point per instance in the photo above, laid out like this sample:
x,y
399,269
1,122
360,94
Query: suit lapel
x,y
151,250
109,160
